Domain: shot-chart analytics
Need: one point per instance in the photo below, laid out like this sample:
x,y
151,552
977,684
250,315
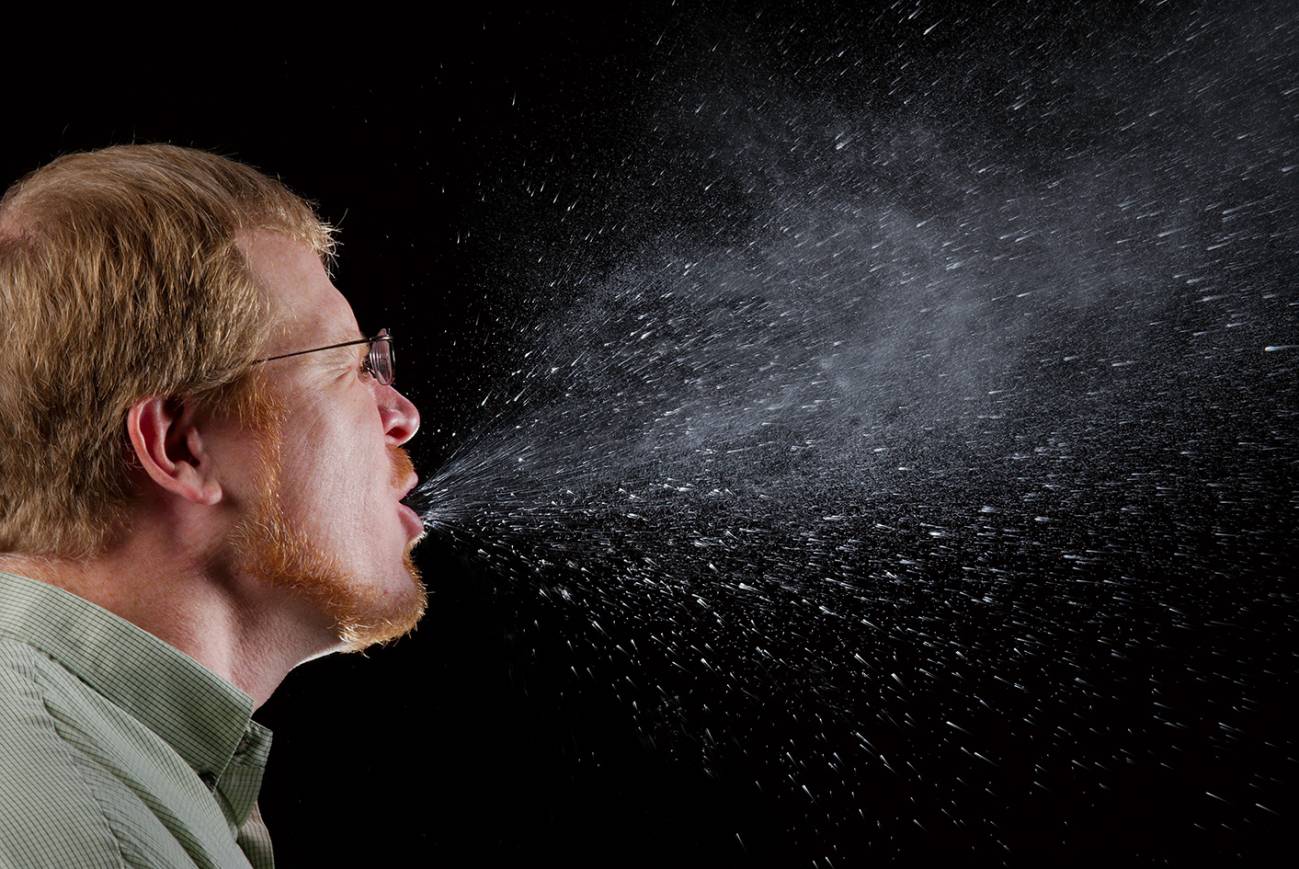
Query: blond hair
x,y
120,279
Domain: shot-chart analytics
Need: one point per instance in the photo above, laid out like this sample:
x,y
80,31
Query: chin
x,y
368,618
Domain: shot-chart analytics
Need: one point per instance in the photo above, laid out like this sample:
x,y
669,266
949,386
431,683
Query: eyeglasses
x,y
379,362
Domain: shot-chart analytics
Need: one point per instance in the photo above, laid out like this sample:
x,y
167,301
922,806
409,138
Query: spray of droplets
x,y
947,493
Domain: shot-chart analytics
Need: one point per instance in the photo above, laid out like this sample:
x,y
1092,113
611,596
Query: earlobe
x,y
169,447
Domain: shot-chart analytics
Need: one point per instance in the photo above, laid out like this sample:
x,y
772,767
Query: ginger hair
x,y
121,279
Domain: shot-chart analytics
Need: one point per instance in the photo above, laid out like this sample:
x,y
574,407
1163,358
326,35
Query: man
x,y
194,499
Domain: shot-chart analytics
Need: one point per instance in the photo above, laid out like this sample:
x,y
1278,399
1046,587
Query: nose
x,y
400,416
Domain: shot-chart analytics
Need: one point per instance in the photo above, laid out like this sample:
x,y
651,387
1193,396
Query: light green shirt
x,y
115,748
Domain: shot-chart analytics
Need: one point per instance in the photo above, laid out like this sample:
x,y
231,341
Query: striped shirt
x,y
115,748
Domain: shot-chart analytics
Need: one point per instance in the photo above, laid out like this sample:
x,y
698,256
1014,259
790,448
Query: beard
x,y
268,546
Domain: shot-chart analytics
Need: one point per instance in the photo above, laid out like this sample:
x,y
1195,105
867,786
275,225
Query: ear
x,y
169,446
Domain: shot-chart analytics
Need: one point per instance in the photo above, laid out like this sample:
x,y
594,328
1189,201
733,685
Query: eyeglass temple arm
x,y
380,337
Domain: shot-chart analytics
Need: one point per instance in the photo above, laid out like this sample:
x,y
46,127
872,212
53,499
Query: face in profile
x,y
324,520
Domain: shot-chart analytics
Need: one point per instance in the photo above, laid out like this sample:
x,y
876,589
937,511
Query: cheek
x,y
344,468
339,466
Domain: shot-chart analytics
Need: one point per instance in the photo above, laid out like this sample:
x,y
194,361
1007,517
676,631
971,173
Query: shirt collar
x,y
200,715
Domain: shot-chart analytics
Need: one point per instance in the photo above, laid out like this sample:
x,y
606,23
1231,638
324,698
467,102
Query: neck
x,y
242,631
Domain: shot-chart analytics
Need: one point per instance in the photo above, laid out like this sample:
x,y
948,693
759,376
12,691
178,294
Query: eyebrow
x,y
336,345
348,338
347,346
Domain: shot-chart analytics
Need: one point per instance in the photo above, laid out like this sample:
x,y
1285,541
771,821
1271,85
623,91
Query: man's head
x,y
140,285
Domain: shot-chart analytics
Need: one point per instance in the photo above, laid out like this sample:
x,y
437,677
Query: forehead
x,y
305,303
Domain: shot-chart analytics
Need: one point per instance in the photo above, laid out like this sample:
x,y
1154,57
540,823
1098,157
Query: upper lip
x,y
414,481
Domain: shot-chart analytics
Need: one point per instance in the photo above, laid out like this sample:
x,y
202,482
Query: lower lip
x,y
412,520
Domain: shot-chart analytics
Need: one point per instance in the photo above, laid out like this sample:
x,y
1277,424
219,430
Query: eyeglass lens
x,y
382,361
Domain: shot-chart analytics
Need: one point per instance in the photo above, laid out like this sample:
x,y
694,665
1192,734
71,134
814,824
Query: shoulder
x,y
49,815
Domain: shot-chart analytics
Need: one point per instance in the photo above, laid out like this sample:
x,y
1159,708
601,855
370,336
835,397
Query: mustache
x,y
402,467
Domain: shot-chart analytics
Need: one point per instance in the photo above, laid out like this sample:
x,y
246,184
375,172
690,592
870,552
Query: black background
x,y
467,744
